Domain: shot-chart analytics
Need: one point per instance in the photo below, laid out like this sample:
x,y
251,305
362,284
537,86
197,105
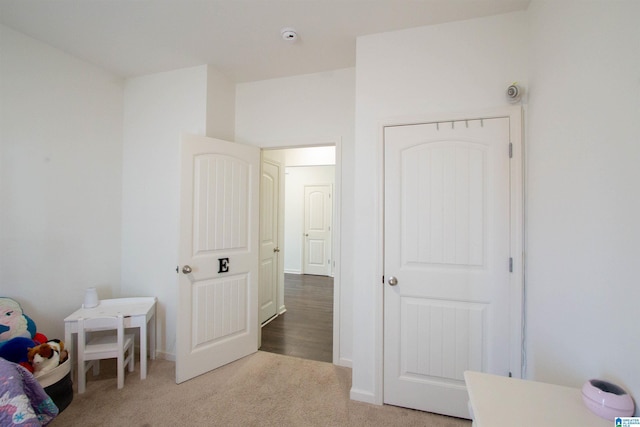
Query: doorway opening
x,y
298,241
305,330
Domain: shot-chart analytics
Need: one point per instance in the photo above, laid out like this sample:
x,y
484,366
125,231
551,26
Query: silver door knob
x,y
186,269
392,281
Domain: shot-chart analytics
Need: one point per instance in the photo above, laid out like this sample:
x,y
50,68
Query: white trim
x,y
164,355
335,253
298,272
363,396
517,297
344,362
517,303
378,385
507,111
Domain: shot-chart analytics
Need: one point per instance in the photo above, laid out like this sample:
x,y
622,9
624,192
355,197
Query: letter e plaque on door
x,y
223,265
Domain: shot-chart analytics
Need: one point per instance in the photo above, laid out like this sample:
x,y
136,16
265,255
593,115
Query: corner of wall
x,y
221,105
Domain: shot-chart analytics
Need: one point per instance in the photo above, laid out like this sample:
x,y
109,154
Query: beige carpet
x,y
263,389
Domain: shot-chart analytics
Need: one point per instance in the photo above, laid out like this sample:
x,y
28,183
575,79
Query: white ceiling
x,y
241,38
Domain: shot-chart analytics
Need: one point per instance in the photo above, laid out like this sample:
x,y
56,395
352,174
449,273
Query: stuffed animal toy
x,y
13,322
16,350
45,357
18,335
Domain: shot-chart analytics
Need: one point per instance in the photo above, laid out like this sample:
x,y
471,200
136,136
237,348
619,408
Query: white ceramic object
x,y
607,400
90,298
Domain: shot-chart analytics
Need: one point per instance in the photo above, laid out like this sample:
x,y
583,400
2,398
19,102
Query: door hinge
x,y
510,265
383,279
510,150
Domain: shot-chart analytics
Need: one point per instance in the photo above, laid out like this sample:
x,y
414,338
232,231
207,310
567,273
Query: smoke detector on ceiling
x,y
289,34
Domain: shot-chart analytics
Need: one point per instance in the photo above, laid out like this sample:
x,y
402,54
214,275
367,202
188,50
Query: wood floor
x,y
306,329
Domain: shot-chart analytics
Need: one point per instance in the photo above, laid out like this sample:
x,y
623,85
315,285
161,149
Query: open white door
x,y
218,255
269,234
448,292
317,226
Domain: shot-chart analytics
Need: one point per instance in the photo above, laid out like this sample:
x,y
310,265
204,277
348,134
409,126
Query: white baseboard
x,y
363,396
344,362
293,271
165,356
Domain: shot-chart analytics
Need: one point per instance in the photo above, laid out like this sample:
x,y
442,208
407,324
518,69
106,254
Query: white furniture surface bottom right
x,y
498,401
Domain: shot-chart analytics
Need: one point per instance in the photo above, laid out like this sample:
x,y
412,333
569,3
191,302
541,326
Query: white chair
x,y
103,346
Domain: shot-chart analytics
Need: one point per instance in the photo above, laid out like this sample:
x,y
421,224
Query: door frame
x,y
336,233
517,231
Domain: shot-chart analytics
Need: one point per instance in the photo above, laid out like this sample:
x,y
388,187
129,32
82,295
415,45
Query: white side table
x,y
138,312
506,402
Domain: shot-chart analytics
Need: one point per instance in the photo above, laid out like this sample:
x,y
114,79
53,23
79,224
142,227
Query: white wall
x,y
158,108
60,182
583,198
455,67
307,110
296,178
309,156
221,105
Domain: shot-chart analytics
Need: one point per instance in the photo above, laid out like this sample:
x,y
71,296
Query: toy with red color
x,y
17,333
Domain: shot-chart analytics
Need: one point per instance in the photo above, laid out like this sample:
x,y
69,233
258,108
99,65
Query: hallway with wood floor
x,y
306,329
